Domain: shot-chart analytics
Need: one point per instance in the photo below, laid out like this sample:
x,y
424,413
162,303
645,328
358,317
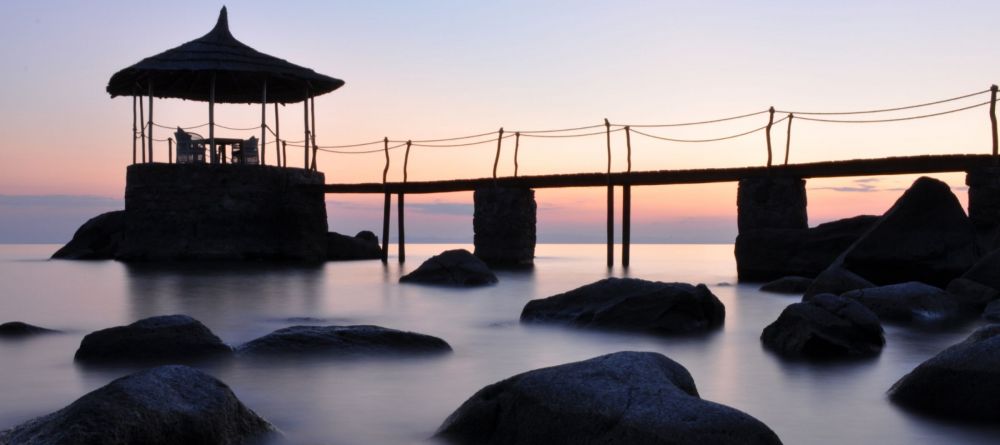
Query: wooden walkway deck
x,y
855,167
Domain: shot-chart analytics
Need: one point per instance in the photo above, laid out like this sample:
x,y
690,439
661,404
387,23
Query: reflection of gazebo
x,y
219,68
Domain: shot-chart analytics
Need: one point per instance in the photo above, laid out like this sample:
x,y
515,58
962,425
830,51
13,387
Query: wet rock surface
x,y
363,246
17,329
825,326
161,406
343,341
456,267
961,383
910,302
625,398
160,339
632,304
97,239
788,285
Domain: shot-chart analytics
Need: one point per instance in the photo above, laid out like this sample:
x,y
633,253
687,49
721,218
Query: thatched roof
x,y
185,72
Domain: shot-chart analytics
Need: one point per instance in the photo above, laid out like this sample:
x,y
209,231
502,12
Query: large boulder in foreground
x,y
161,339
97,239
631,398
363,246
632,304
765,254
924,237
825,326
160,406
961,382
456,267
343,341
14,329
911,302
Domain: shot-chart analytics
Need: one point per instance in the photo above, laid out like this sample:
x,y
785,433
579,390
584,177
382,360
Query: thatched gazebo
x,y
217,68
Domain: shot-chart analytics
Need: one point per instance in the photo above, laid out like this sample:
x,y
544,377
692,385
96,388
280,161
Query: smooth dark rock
x,y
992,311
769,254
837,280
97,239
961,382
223,212
984,196
632,304
925,237
634,398
167,405
788,285
972,296
452,267
504,225
825,326
908,302
343,341
22,329
986,271
363,246
159,339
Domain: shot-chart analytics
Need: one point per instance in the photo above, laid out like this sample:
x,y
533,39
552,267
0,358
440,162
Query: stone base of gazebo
x,y
223,212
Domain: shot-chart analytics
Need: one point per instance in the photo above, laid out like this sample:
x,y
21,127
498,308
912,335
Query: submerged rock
x,y
626,398
961,382
97,239
924,237
156,339
632,304
788,285
908,302
160,406
343,341
363,246
452,267
825,326
22,329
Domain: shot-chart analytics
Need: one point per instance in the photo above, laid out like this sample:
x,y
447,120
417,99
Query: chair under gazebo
x,y
217,68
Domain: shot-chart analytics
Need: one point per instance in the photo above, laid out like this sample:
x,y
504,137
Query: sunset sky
x,y
437,69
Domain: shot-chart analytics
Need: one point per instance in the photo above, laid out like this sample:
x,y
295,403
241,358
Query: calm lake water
x,y
402,401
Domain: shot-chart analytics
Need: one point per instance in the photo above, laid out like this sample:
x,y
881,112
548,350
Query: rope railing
x,y
497,137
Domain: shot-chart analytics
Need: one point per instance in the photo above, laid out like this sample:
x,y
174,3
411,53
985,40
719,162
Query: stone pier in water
x,y
504,224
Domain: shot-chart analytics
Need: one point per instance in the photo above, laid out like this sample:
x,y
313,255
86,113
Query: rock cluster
x,y
825,326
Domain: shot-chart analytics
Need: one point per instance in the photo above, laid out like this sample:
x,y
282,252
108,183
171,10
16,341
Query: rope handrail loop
x,y
885,110
712,121
346,152
466,144
558,130
897,119
569,135
458,138
734,136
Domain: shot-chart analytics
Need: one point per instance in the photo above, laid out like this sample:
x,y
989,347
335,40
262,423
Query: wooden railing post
x,y
788,137
170,150
993,121
517,145
496,160
135,131
770,122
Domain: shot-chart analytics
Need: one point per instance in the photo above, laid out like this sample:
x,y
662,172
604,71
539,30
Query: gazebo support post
x,y
211,121
305,144
134,134
150,121
142,131
312,134
263,125
277,137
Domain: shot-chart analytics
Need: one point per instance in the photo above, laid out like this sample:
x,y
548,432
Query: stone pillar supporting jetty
x,y
771,203
984,196
504,224
223,212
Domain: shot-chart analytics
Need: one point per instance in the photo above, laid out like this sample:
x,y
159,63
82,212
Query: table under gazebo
x,y
217,68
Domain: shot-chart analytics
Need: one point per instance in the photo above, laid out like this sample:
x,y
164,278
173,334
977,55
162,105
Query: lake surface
x,y
403,401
